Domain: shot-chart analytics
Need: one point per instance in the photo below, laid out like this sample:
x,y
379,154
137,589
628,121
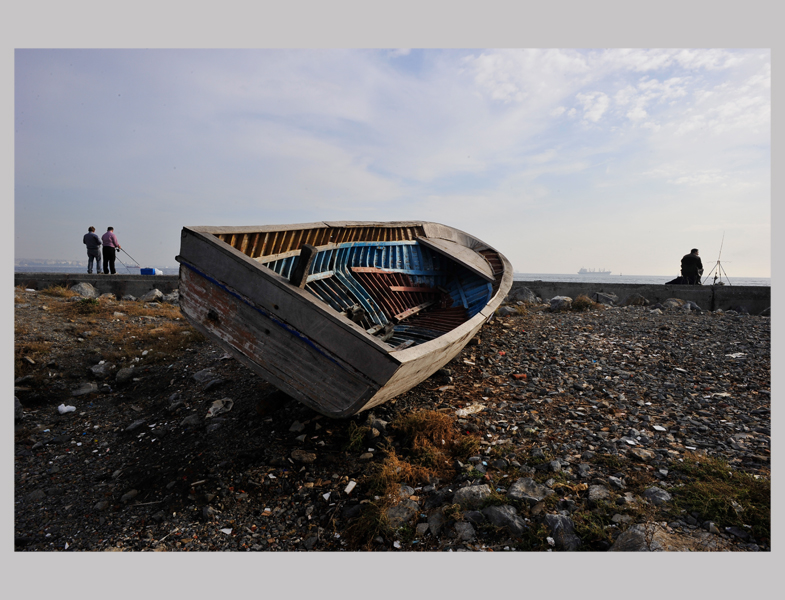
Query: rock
x,y
136,425
471,496
643,454
506,311
101,370
605,298
560,303
191,421
172,298
673,303
303,456
563,532
297,427
528,490
634,299
36,495
436,522
85,388
128,496
505,516
129,298
18,410
656,495
654,537
124,375
402,513
521,294
464,531
108,296
155,295
85,290
598,493
204,376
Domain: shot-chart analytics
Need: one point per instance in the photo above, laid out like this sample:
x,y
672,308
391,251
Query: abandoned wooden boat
x,y
342,316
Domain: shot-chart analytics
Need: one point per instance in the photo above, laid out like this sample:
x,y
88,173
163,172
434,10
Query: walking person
x,y
111,245
93,243
691,267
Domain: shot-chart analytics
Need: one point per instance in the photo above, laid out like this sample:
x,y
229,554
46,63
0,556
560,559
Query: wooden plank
x,y
413,311
470,259
295,364
299,275
402,288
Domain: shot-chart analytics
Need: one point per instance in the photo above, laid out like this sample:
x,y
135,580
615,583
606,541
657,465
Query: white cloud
x,y
594,105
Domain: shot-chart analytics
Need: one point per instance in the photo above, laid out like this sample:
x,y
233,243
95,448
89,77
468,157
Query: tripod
x,y
717,268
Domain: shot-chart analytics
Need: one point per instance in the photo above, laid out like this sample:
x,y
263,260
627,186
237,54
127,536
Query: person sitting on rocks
x,y
692,267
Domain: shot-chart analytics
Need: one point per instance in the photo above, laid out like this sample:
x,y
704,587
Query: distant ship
x,y
593,272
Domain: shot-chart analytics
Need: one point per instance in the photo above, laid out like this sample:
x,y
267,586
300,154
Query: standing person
x,y
93,243
691,267
110,246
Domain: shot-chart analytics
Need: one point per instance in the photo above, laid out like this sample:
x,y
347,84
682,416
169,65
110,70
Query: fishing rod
x,y
125,265
131,257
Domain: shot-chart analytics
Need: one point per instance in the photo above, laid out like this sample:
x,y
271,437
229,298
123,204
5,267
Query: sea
x,y
573,278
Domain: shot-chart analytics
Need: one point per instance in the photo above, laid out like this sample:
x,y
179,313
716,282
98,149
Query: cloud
x,y
594,105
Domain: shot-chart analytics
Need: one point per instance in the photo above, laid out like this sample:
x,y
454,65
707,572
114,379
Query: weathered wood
x,y
298,343
302,267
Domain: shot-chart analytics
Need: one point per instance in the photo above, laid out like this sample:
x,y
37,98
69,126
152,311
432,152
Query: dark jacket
x,y
691,265
91,240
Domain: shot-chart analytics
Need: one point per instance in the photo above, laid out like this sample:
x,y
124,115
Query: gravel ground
x,y
581,420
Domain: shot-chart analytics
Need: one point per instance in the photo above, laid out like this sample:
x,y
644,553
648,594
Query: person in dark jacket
x,y
93,243
692,267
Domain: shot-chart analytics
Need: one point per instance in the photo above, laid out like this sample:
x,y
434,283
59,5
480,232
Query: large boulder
x,y
522,294
155,295
605,298
560,303
635,299
85,290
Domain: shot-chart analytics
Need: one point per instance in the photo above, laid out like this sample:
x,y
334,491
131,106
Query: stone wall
x,y
752,299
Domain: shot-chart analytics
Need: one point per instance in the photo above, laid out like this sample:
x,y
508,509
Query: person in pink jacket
x,y
111,245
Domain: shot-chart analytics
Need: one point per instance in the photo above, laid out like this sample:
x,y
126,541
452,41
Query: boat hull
x,y
230,291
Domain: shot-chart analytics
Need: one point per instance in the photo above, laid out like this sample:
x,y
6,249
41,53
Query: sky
x,y
560,158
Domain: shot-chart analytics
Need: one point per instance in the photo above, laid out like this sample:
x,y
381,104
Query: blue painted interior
x,y
330,279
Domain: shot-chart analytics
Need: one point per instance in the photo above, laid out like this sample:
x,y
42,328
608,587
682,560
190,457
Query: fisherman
x,y
692,267
93,243
110,246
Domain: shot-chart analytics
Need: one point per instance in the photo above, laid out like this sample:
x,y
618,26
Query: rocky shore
x,y
561,427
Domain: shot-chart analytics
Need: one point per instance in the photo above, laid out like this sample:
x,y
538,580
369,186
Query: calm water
x,y
121,270
644,279
575,278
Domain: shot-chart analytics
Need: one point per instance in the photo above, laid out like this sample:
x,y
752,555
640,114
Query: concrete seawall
x,y
119,285
753,299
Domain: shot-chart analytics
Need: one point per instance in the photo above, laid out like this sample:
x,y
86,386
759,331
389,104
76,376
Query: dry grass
x,y
582,303
429,444
59,291
24,352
